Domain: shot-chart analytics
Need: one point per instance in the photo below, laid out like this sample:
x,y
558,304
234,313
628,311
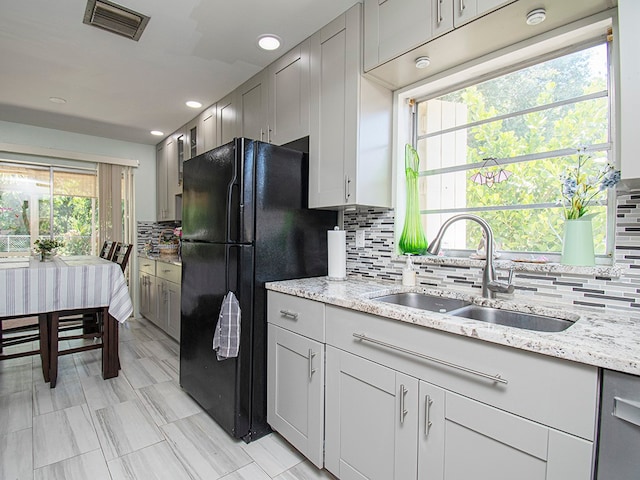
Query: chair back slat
x,y
121,254
108,249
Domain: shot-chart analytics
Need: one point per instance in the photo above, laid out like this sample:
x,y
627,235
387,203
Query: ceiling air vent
x,y
115,18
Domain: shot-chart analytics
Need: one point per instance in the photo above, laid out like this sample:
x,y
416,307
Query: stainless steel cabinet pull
x,y
427,414
439,13
403,411
462,6
494,378
347,192
289,313
269,134
261,135
626,410
311,369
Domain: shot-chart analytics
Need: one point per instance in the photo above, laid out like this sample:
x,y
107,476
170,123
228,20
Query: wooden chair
x,y
27,330
55,329
121,254
108,248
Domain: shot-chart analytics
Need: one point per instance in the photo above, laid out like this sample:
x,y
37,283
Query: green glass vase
x,y
412,239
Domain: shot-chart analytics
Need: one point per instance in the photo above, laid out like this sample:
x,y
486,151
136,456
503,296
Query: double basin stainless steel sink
x,y
462,308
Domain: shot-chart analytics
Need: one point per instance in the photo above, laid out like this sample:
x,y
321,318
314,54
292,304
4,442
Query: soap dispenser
x,y
408,274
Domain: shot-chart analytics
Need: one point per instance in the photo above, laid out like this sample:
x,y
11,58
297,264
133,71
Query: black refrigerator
x,y
245,222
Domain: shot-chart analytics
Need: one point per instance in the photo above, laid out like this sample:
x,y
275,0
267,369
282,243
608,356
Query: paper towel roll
x,y
337,253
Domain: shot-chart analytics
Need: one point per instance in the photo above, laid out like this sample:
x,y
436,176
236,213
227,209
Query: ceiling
x,y
121,89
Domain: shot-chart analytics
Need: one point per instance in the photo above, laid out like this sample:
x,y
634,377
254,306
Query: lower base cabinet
x,y
295,389
160,294
460,438
371,419
390,414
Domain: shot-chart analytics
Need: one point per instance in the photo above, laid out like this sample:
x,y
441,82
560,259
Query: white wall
x,y
144,175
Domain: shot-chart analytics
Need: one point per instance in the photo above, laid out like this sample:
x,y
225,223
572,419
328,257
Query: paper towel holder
x,y
336,255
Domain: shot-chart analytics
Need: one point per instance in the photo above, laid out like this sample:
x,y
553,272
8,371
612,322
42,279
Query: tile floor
x,y
140,425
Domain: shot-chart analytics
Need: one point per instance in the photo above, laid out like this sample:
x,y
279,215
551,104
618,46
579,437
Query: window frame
x,y
529,53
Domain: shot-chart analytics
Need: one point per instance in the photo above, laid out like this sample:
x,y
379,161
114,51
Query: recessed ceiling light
x,y
193,104
157,133
423,62
534,17
57,100
268,42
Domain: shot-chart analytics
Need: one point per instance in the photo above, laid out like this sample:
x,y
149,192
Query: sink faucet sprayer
x,y
489,283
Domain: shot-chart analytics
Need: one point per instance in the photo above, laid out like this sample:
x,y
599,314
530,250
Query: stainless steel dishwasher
x,y
619,437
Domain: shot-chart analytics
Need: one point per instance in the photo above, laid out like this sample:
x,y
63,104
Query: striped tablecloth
x,y
29,286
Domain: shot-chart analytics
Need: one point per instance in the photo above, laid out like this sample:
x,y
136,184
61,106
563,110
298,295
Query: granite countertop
x,y
173,259
596,338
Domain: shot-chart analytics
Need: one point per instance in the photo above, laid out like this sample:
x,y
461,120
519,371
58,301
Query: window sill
x,y
610,271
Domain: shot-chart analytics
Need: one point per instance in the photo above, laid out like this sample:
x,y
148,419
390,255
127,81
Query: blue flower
x,y
610,179
569,187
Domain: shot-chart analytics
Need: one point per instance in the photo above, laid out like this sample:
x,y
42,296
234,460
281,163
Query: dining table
x,y
63,285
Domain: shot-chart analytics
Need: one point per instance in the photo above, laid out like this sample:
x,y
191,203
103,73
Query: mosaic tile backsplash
x,y
150,232
375,261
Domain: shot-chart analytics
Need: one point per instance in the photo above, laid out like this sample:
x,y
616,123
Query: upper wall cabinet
x,y
629,94
167,185
226,118
253,101
288,96
207,122
350,138
394,27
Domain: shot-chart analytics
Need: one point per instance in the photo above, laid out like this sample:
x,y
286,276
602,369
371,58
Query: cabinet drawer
x,y
169,271
147,266
554,392
299,315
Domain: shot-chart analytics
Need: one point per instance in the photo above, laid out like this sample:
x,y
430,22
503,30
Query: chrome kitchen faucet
x,y
490,286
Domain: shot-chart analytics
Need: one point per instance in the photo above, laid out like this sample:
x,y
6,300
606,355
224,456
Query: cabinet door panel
x,y
367,433
289,96
226,119
208,129
469,454
484,442
254,108
172,291
569,457
295,393
403,25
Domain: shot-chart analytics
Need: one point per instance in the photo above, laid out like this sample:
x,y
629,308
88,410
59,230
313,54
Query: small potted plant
x,y
46,246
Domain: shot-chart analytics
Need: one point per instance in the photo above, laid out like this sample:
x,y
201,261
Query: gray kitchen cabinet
x,y
350,139
168,285
167,178
226,118
253,98
371,419
160,294
461,438
628,93
193,140
288,96
483,411
148,289
295,372
395,27
295,390
207,122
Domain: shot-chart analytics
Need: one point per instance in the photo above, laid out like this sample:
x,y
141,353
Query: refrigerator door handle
x,y
227,260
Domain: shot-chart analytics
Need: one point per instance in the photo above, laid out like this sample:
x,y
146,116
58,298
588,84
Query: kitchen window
x,y
498,147
47,202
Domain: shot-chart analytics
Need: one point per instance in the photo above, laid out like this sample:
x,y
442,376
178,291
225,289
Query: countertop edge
x,y
598,339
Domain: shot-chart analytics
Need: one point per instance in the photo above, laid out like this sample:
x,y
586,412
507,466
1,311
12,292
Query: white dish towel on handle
x,y
226,339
